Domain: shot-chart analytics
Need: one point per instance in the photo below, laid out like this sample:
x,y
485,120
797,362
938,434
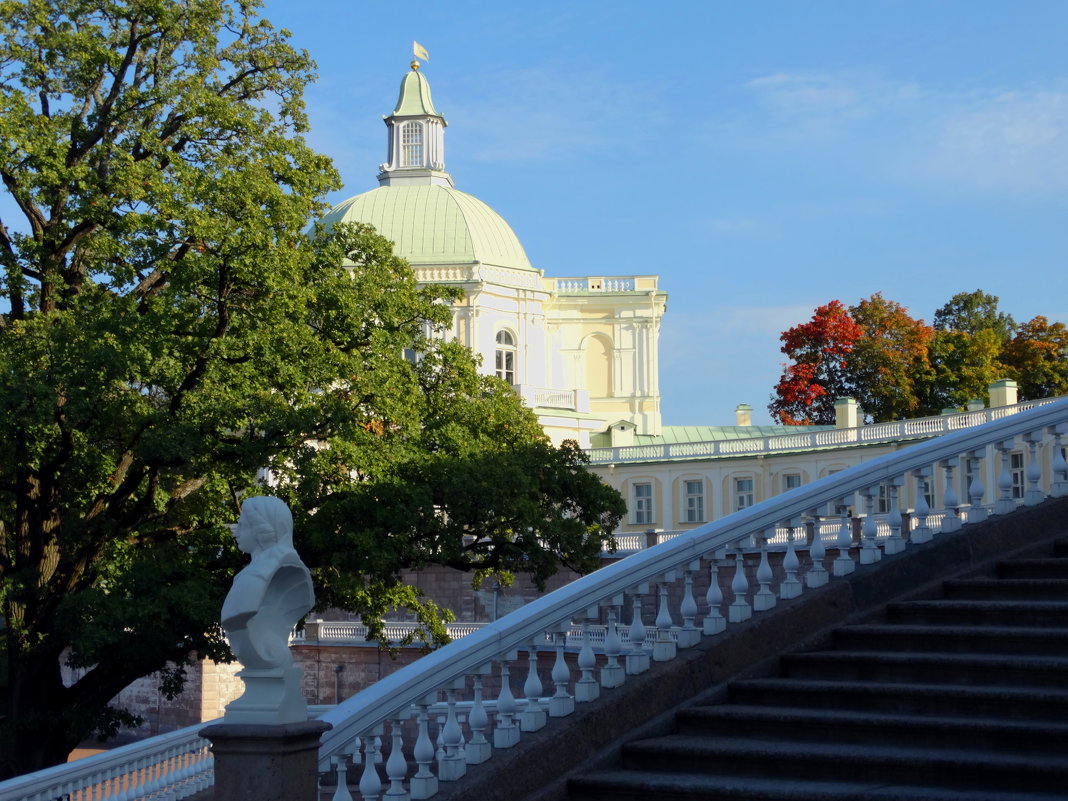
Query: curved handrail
x,y
384,699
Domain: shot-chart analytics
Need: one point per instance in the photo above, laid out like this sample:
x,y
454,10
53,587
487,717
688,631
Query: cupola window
x,y
412,144
505,356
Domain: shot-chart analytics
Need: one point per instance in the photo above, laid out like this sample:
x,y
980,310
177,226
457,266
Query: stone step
x,y
972,612
1052,567
947,668
976,639
1007,589
874,728
958,768
622,785
920,698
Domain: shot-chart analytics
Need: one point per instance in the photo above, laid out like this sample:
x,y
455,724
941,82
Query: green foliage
x,y
170,330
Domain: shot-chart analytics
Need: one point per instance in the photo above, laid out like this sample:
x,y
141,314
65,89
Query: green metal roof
x,y
414,98
673,435
432,225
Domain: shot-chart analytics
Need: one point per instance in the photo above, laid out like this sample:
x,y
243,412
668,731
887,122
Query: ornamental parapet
x,y
897,431
602,284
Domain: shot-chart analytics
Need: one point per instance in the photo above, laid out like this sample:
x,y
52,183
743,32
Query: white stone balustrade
x,y
584,616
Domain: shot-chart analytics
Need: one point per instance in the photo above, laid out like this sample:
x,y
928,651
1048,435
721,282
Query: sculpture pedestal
x,y
272,696
266,762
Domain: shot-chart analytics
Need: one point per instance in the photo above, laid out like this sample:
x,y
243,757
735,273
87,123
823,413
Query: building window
x,y
1016,470
791,481
412,144
695,501
743,493
882,500
967,475
643,504
505,357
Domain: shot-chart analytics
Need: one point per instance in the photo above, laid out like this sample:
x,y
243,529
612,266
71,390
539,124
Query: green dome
x,y
435,225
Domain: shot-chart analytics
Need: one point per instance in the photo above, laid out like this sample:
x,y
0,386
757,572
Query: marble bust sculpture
x,y
267,599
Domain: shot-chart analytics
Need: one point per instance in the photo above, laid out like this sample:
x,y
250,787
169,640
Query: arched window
x,y
505,360
412,144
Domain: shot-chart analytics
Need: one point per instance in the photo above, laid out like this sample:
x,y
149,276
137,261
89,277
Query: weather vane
x,y
419,52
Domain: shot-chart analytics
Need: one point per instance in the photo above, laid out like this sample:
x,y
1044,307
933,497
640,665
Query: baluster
x,y
739,609
1059,486
689,635
562,703
370,783
637,657
869,547
951,522
790,587
587,688
341,768
664,647
1005,502
714,623
1034,494
452,766
532,717
612,674
506,732
479,749
817,574
976,490
396,765
764,598
844,564
921,532
895,543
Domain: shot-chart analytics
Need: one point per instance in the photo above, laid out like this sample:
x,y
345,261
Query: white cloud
x,y
1015,141
805,93
550,113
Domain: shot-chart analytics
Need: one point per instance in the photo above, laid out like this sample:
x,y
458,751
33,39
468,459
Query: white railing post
x,y
370,782
895,543
817,574
664,646
479,749
612,674
424,783
637,656
532,717
739,610
869,547
452,766
506,730
714,622
396,765
341,769
844,564
562,702
790,587
976,490
1005,502
586,688
764,599
951,522
921,532
689,635
1034,494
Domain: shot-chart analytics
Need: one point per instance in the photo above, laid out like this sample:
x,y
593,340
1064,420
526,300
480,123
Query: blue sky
x,y
763,158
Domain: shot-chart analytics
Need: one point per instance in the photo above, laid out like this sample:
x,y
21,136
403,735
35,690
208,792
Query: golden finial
x,y
415,65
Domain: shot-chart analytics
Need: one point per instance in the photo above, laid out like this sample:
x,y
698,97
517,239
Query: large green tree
x,y
169,332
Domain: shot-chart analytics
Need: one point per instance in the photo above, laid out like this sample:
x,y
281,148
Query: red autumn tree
x,y
817,373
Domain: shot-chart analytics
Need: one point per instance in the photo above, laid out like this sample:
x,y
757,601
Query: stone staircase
x,y
963,697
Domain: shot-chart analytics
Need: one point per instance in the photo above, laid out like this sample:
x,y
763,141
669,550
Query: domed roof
x,y
435,225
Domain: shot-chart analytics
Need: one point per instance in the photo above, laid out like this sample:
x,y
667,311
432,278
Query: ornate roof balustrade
x,y
897,431
603,284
